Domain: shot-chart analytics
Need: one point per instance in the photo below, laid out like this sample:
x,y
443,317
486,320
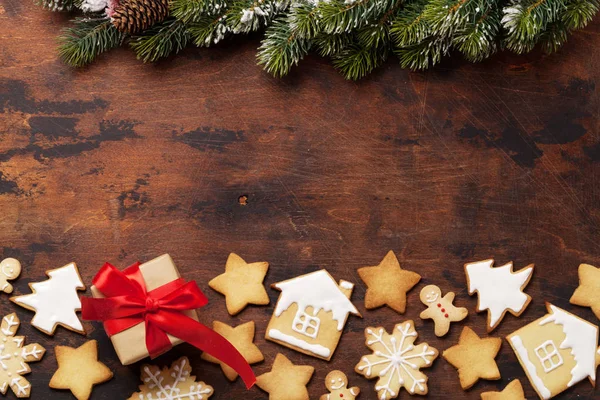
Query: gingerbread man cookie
x,y
10,269
440,309
337,384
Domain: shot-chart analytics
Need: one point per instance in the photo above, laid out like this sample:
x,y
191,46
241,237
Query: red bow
x,y
127,303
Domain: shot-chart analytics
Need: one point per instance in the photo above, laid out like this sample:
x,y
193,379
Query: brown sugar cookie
x,y
387,284
440,309
474,358
79,369
512,391
337,384
14,357
396,361
588,292
242,338
242,283
176,382
286,381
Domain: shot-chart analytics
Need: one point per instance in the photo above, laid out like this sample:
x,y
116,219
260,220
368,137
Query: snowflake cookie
x,y
175,383
14,357
499,289
396,361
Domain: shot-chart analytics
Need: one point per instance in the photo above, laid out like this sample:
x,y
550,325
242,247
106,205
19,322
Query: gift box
x,y
130,344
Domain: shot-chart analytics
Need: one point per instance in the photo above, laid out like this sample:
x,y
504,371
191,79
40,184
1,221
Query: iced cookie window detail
x,y
306,324
549,356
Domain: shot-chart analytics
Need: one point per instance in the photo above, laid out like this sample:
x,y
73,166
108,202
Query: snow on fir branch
x,y
358,35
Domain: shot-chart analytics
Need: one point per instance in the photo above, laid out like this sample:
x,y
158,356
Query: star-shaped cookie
x,y
512,391
387,283
286,381
242,283
474,358
588,292
242,337
79,369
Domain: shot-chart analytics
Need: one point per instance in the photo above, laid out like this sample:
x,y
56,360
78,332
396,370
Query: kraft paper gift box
x,y
130,344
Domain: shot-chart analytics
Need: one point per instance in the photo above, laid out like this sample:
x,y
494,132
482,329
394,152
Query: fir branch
x,y
410,27
478,40
82,43
209,29
162,39
190,10
328,45
578,13
554,37
59,5
281,49
356,61
304,20
246,16
422,55
338,16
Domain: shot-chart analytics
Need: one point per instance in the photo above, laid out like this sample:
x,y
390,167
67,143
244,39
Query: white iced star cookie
x,y
55,301
499,289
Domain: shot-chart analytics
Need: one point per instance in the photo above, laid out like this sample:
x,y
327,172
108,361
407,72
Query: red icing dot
x,y
446,315
439,305
341,395
443,310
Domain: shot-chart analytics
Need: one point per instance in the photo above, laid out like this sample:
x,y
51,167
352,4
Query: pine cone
x,y
132,16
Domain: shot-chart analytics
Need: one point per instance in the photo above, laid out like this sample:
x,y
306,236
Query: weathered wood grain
x,y
122,162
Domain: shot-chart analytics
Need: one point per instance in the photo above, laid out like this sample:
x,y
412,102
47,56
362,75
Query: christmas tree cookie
x,y
55,301
396,361
499,289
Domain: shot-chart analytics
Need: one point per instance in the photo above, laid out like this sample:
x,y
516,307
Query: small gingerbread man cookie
x,y
337,384
10,269
440,309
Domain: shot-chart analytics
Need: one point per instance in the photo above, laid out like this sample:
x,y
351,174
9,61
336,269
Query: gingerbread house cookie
x,y
311,313
556,351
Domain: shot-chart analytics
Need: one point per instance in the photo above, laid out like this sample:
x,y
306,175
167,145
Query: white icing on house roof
x,y
317,290
581,337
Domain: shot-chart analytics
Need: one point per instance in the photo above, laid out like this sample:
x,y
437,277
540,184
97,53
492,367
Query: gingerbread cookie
x,y
512,391
440,309
14,357
387,284
286,381
55,300
242,283
556,351
175,383
337,384
588,292
499,289
242,338
311,313
79,369
10,269
396,361
474,358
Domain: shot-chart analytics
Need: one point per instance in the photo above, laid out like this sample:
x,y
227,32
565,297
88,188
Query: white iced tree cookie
x,y
55,301
10,269
175,383
396,361
14,357
499,289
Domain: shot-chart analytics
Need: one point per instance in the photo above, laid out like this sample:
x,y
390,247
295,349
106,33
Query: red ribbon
x,y
127,303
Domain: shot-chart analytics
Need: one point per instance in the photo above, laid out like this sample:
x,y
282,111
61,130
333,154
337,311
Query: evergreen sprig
x,y
357,35
86,39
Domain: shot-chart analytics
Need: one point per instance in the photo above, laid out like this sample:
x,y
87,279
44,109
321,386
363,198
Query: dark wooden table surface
x,y
123,161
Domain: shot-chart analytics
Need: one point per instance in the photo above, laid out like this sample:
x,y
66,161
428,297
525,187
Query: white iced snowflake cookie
x,y
10,269
14,357
499,289
175,383
396,361
55,301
